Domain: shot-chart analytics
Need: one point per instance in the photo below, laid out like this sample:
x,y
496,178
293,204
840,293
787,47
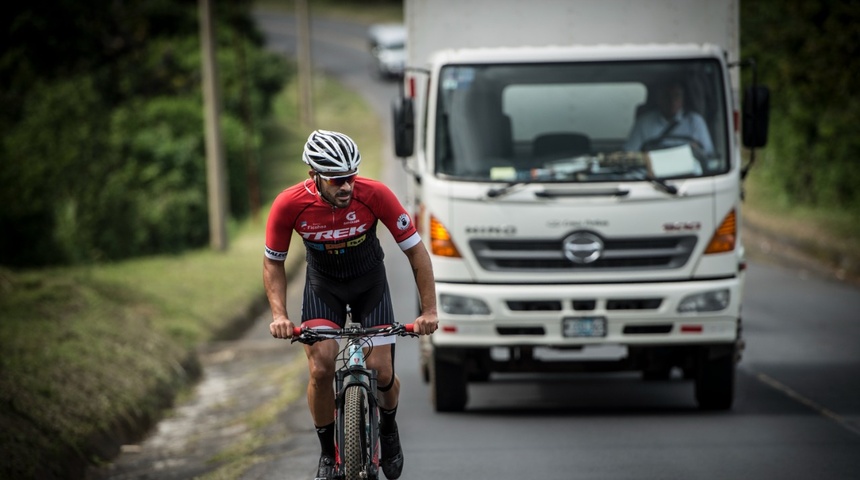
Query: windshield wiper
x,y
662,185
503,190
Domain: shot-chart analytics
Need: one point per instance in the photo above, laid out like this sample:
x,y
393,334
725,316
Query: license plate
x,y
583,327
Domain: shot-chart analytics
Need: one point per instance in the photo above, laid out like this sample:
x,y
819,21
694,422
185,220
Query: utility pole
x,y
216,172
303,64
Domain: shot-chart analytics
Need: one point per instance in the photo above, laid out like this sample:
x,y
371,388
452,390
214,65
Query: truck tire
x,y
478,365
715,378
448,384
658,374
425,348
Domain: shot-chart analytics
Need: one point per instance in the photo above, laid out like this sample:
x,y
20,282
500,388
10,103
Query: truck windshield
x,y
583,122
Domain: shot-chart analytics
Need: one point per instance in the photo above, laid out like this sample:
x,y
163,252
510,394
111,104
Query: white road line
x,y
788,391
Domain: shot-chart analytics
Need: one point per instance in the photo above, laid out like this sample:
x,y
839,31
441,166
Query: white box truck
x,y
578,180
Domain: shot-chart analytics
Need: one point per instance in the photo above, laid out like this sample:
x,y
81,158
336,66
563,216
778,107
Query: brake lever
x,y
401,331
308,337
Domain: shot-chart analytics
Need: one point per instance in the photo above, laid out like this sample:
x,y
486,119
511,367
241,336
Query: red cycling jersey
x,y
340,242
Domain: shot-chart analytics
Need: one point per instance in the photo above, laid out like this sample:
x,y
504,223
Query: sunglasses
x,y
338,180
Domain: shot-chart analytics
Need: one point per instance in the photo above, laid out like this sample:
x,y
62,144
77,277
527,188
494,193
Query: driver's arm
x,y
636,137
702,135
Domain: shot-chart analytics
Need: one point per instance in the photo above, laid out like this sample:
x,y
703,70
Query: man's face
x,y
336,188
671,100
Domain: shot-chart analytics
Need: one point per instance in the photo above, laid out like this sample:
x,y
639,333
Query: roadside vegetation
x,y
101,120
106,287
92,354
804,187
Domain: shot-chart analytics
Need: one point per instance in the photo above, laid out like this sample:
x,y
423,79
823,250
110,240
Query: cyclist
x,y
336,213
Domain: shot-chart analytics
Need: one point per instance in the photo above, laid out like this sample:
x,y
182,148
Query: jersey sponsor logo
x,y
275,255
356,241
337,234
403,221
337,248
351,216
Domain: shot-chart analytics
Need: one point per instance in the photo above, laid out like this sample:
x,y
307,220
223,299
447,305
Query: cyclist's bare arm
x,y
422,270
275,281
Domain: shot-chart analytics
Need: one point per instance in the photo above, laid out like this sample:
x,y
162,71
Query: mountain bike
x,y
356,404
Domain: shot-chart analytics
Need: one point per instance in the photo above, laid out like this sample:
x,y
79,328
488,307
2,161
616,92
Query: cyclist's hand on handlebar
x,y
426,324
281,327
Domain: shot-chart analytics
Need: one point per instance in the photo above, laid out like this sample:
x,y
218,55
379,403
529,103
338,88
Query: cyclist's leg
x,y
322,300
321,366
388,384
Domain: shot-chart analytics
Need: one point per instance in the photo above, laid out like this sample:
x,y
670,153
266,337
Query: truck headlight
x,y
712,301
457,305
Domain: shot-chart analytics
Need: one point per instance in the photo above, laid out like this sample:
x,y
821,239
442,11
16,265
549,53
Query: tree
x,y
101,135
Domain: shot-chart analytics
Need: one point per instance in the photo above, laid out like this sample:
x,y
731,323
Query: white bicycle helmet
x,y
331,152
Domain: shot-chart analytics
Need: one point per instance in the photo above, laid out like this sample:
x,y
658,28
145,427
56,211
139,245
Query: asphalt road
x,y
796,414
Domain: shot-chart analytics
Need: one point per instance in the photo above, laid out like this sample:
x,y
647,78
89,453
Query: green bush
x,y
807,52
49,158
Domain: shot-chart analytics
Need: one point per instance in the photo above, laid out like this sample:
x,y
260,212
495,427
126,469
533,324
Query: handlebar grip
x,y
297,331
410,327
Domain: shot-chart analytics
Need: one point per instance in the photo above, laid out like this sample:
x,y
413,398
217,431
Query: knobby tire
x,y
355,451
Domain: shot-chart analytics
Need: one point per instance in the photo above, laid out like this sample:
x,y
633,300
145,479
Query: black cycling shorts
x,y
368,297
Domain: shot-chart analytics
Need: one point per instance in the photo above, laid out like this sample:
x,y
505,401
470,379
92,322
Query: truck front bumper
x,y
629,314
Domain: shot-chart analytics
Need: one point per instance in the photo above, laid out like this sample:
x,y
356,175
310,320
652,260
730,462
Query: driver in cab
x,y
669,124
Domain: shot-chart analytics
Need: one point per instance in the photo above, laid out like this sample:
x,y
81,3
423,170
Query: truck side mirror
x,y
756,116
403,114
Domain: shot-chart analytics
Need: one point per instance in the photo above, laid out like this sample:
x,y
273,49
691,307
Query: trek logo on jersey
x,y
334,234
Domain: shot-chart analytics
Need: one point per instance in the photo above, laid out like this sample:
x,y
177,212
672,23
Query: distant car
x,y
387,43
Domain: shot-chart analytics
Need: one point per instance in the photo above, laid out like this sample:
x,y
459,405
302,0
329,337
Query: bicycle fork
x,y
357,375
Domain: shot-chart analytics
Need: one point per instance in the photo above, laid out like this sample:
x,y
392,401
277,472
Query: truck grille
x,y
618,254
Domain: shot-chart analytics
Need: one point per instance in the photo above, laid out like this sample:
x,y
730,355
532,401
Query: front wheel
x,y
448,383
355,434
715,378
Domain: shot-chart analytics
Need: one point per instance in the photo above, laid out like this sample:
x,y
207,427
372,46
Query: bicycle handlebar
x,y
313,335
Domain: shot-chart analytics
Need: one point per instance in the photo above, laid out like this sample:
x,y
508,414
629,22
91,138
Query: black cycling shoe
x,y
326,468
392,454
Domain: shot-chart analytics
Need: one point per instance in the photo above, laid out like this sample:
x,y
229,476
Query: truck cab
x,y
581,205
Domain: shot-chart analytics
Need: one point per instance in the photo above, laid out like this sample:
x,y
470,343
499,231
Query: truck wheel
x,y
425,348
715,378
479,365
657,374
425,356
448,385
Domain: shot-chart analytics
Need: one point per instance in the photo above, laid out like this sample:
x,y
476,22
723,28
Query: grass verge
x,y
822,240
92,355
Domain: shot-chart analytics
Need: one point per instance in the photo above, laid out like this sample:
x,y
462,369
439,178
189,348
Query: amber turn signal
x,y
440,240
725,236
